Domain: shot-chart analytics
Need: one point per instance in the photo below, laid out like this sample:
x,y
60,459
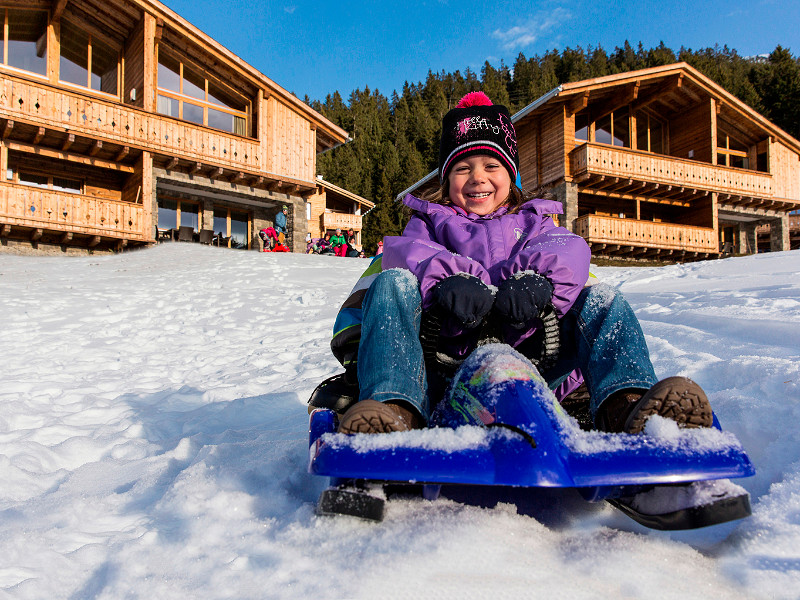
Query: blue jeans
x,y
600,335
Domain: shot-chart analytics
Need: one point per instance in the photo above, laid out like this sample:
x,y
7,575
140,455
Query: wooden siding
x,y
290,143
133,67
527,143
785,166
340,221
691,133
552,146
599,159
646,234
25,206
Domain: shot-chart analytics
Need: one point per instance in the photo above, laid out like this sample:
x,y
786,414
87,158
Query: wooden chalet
x,y
660,163
121,124
332,208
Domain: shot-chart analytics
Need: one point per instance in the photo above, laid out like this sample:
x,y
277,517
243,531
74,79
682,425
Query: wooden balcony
x,y
42,209
70,111
593,163
628,235
341,221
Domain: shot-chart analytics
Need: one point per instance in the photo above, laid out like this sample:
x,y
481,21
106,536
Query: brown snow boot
x,y
371,416
676,398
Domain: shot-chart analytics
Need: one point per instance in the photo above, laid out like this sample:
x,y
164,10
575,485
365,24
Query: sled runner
x,y
500,427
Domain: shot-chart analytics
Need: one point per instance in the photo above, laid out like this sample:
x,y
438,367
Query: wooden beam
x,y
68,142
171,163
96,147
122,153
197,167
96,162
58,8
159,28
237,177
39,135
66,238
36,235
578,103
7,128
5,230
94,241
217,173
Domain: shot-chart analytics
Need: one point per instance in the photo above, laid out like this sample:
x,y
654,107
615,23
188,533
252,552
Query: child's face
x,y
479,184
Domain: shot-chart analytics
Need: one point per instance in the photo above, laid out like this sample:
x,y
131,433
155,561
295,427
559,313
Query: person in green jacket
x,y
339,243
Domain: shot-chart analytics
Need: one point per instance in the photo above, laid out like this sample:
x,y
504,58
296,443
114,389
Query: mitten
x,y
464,297
523,297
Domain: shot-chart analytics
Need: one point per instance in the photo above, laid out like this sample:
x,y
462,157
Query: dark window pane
x,y
193,84
656,137
167,214
220,120
193,113
238,229
622,133
27,40
582,126
222,97
602,130
169,74
104,67
189,215
31,179
67,185
221,221
74,63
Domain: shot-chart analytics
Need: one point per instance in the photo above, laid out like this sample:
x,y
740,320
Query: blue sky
x,y
314,48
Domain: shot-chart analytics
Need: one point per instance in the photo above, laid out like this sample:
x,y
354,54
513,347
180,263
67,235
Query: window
x,y
582,126
730,152
614,128
50,182
232,226
87,61
184,93
649,133
25,39
178,213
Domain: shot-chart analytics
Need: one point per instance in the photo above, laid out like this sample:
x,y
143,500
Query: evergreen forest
x,y
395,139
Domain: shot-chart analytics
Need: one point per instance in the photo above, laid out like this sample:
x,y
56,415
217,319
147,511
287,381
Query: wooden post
x,y
148,197
150,63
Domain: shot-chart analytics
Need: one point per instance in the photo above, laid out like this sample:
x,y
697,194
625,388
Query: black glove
x,y
523,297
464,297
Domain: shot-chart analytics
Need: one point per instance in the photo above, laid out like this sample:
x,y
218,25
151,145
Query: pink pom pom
x,y
474,99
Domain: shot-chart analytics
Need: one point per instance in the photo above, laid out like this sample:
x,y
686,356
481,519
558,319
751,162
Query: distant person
x,y
339,243
281,223
380,248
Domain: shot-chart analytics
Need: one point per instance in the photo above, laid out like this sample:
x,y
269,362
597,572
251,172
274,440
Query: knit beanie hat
x,y
476,126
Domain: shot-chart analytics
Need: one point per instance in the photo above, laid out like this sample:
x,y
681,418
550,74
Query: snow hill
x,y
153,441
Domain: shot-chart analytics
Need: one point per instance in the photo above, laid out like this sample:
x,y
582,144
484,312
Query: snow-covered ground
x,y
153,441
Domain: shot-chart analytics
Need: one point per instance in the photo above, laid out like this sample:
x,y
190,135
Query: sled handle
x,y
431,329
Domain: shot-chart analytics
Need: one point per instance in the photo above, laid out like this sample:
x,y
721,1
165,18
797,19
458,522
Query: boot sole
x,y
371,416
677,398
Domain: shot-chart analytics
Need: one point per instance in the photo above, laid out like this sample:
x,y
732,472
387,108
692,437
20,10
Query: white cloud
x,y
289,9
529,32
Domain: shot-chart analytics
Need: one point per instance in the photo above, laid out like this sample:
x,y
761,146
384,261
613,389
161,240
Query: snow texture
x,y
153,441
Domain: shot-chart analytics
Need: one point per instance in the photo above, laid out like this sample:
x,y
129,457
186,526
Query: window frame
x,y
15,178
726,151
89,72
5,40
205,104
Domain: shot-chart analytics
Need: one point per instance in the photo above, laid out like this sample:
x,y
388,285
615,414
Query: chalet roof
x,y
117,19
335,189
670,89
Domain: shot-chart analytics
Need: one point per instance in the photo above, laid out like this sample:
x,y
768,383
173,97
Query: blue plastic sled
x,y
500,425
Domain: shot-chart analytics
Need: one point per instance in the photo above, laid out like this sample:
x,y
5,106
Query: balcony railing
x,y
341,221
25,206
122,124
600,159
646,234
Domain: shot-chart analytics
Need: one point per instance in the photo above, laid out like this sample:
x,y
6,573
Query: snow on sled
x,y
500,426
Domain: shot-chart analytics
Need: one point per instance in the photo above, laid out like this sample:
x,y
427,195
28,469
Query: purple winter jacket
x,y
440,241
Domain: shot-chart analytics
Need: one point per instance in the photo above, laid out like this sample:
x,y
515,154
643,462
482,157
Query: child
x,y
338,243
480,256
